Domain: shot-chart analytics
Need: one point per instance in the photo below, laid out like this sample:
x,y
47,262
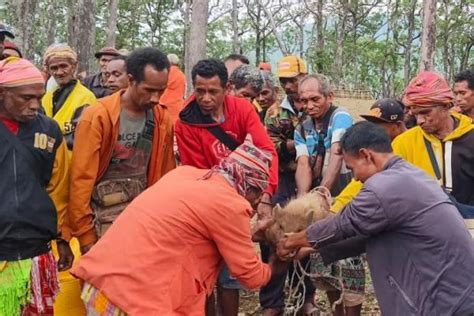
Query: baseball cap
x,y
107,51
290,67
385,111
6,31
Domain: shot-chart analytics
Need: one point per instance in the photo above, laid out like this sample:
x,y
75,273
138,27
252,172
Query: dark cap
x,y
6,31
107,51
386,111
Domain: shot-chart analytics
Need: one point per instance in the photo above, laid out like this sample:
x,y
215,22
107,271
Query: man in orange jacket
x,y
163,254
123,144
173,97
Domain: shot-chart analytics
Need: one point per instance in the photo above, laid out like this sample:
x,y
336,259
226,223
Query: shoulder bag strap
x,y
223,137
434,162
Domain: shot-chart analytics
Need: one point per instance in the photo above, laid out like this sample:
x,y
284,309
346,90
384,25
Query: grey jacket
x,y
420,253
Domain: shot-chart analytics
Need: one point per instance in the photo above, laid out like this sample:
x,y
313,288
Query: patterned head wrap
x,y
59,50
246,167
15,72
427,89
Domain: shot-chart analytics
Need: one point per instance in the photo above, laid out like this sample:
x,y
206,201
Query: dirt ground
x,y
249,304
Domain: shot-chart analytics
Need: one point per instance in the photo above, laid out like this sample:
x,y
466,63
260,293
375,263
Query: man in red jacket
x,y
209,128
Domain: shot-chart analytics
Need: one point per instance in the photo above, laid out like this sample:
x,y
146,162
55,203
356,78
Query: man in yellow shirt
x,y
449,134
66,103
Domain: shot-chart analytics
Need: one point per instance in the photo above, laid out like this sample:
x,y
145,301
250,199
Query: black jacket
x,y
28,217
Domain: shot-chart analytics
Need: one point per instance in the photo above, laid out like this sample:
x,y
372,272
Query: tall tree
x,y
26,9
85,26
112,23
409,42
428,35
196,49
235,27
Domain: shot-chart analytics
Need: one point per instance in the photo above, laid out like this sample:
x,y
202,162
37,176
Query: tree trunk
x,y
409,43
71,23
85,35
341,40
50,23
112,24
301,25
319,37
235,27
26,11
197,38
428,35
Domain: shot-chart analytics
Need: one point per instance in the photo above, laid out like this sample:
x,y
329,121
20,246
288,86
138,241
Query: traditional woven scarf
x,y
427,89
246,167
15,72
59,50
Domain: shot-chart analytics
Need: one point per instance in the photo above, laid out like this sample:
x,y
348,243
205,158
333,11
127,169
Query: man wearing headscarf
x,y
182,241
449,135
66,103
34,186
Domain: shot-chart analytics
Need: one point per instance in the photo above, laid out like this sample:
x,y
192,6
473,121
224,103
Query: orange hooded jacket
x,y
95,137
173,97
163,254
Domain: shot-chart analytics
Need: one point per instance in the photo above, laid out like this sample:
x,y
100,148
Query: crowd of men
x,y
150,195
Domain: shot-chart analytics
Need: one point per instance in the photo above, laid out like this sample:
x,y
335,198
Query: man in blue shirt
x,y
319,163
318,152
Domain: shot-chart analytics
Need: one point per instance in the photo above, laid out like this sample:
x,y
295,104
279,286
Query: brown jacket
x,y
95,138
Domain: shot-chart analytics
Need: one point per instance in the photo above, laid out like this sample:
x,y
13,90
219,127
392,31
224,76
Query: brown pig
x,y
298,214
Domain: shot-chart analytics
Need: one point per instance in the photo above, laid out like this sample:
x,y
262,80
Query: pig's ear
x,y
309,217
276,210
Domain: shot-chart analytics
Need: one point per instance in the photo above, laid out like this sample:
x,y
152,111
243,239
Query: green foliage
x,y
374,52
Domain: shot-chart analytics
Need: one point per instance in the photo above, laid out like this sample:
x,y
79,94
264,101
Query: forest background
x,y
372,45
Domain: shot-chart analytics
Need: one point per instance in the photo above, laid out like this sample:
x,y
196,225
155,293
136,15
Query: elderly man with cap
x,y
66,103
4,32
97,83
173,97
446,136
34,186
182,241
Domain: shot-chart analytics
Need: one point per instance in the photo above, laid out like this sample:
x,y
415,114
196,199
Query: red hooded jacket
x,y
199,148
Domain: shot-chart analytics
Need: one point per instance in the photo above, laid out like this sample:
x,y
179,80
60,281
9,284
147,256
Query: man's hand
x,y
66,257
258,231
288,246
264,208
